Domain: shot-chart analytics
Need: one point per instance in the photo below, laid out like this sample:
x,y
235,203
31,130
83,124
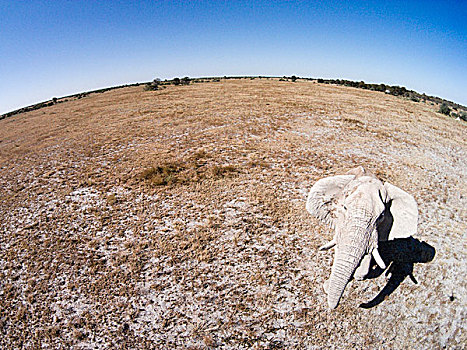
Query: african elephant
x,y
362,211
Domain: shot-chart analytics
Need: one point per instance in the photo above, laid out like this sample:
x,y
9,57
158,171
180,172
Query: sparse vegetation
x,y
444,109
220,171
154,85
392,90
197,168
61,100
165,174
461,115
176,219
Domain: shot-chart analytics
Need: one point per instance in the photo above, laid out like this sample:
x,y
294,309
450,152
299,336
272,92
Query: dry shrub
x,y
201,154
260,163
196,169
222,171
164,174
353,121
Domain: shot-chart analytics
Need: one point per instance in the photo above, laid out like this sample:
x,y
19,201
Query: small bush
x,y
444,109
192,170
220,171
200,155
164,174
154,85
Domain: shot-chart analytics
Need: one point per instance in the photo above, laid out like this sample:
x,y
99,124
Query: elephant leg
x,y
362,270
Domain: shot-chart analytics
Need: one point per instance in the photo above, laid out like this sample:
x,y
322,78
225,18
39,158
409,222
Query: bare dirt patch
x,y
176,219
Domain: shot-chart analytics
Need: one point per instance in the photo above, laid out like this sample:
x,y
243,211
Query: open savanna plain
x,y
175,219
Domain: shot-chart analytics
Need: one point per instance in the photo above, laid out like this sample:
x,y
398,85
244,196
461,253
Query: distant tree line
x,y
157,83
55,100
445,108
448,108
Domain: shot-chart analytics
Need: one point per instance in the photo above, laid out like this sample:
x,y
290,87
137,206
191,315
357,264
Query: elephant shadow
x,y
401,254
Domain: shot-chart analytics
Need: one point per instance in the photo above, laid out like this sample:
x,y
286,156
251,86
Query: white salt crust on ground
x,y
227,262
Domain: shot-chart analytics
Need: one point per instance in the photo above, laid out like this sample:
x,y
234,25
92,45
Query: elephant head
x,y
362,211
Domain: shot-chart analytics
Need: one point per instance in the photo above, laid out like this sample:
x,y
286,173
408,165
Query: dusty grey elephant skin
x,y
362,211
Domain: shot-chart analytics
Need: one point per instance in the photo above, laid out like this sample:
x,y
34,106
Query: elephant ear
x,y
321,196
404,212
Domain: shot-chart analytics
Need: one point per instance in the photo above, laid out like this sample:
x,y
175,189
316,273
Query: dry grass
x,y
175,219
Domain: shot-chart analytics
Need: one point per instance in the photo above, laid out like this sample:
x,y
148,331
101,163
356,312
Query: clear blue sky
x,y
55,48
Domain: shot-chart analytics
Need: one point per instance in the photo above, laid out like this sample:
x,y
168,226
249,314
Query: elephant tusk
x,y
328,245
378,258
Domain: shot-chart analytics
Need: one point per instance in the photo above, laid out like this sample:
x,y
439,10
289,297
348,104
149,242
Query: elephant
x,y
362,211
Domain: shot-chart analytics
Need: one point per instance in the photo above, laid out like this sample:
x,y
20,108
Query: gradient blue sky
x,y
55,48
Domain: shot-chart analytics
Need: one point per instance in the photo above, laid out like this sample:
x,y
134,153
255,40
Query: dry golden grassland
x,y
176,219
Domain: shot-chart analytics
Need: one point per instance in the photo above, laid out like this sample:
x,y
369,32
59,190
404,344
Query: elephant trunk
x,y
346,260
